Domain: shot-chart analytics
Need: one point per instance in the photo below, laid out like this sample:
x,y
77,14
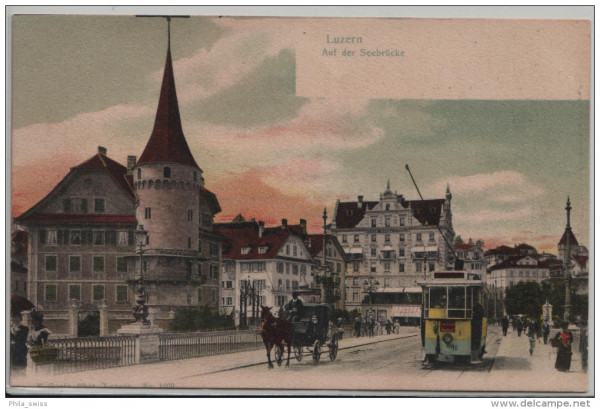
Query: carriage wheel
x,y
298,353
278,356
333,348
316,352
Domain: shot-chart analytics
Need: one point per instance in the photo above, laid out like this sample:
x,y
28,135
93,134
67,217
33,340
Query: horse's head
x,y
265,313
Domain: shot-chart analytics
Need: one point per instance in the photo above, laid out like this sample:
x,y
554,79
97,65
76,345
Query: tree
x,y
458,240
524,298
528,298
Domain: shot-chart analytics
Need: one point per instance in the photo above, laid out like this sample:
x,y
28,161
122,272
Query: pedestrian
x,y
504,325
519,327
38,333
357,327
371,327
545,332
396,327
388,327
514,323
364,330
563,341
18,343
531,335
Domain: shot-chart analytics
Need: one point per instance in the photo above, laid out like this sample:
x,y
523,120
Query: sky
x,y
79,82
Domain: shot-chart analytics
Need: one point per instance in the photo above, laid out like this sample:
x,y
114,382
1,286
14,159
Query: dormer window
x,y
246,249
167,172
349,212
262,249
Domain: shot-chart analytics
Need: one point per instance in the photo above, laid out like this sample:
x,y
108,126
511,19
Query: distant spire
x,y
167,142
448,194
388,185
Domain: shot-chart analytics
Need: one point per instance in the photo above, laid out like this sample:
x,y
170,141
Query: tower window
x,y
139,173
195,176
167,172
189,242
147,213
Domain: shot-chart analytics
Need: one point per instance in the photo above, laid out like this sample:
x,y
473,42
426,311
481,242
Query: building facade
x,y
393,242
82,251
326,248
518,269
81,238
473,257
261,266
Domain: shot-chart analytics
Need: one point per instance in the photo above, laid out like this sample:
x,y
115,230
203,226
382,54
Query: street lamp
x,y
324,277
140,310
371,286
567,265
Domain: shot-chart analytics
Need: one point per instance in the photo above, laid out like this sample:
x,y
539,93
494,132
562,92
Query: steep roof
x,y
167,142
211,198
116,171
503,250
348,214
581,260
524,246
572,239
246,234
427,212
512,263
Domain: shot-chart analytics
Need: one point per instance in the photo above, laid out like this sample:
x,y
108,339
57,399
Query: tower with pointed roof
x,y
168,184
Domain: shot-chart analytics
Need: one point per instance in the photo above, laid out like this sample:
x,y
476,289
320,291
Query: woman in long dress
x,y
563,355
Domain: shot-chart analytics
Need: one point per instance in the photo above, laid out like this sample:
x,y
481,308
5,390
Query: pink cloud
x,y
248,195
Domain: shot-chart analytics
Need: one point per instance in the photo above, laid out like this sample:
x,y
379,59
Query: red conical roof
x,y
572,239
167,142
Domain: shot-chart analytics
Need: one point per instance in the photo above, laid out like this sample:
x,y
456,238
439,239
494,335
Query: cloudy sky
x,y
79,82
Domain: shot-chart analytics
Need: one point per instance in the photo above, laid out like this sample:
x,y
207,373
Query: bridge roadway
x,y
386,364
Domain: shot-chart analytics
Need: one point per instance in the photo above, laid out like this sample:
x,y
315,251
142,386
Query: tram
x,y
453,326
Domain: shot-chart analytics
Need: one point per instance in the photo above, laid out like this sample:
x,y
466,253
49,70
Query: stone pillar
x,y
73,320
103,318
147,344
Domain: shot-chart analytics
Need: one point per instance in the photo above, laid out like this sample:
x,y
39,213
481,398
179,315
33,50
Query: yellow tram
x,y
453,326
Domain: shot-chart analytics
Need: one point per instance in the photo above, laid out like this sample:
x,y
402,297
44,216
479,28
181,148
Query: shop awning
x,y
412,311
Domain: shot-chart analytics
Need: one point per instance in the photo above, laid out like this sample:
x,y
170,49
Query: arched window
x,y
167,172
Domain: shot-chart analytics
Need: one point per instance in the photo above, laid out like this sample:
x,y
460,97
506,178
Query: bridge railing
x,y
83,354
174,346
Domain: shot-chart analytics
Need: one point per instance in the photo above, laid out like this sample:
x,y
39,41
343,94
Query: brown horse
x,y
274,332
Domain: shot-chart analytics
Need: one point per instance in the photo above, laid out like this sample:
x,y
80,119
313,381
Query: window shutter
x,y
66,237
59,237
67,205
43,236
84,203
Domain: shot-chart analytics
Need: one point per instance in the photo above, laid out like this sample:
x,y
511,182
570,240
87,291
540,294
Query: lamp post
x,y
371,286
567,265
325,276
140,310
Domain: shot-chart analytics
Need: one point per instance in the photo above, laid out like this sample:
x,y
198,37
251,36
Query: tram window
x,y
456,297
437,297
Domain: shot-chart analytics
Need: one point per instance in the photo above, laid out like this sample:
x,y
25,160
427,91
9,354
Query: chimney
x,y
284,223
131,161
303,225
102,150
360,202
261,228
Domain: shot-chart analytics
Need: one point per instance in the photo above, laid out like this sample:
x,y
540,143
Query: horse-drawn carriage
x,y
314,331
